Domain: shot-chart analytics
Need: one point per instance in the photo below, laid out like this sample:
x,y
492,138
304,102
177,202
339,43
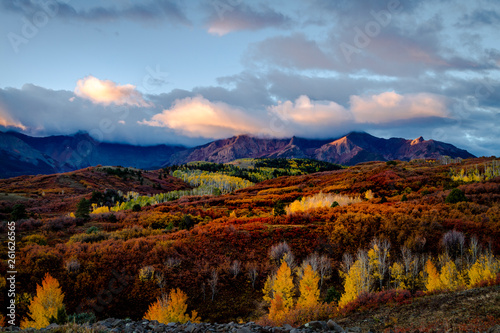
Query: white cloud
x,y
198,117
108,92
389,107
311,113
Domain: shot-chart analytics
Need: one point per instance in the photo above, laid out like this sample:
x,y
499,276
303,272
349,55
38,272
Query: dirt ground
x,y
475,310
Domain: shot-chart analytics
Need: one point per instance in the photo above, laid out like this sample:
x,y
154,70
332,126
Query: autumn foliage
x,y
183,236
171,308
45,305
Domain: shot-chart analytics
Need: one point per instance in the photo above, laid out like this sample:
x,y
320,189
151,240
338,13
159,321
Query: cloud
x,y
157,10
108,92
295,51
311,113
7,121
479,16
392,107
225,18
198,117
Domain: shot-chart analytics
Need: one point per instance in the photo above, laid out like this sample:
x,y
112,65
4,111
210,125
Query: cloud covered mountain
x,y
22,154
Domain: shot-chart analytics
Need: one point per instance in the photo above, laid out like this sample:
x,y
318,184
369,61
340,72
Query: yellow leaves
x,y
171,308
355,283
484,269
450,276
278,292
433,281
319,200
309,291
48,300
268,289
99,210
282,289
398,276
369,195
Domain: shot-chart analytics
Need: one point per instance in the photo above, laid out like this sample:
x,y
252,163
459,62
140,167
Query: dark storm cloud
x,y
143,12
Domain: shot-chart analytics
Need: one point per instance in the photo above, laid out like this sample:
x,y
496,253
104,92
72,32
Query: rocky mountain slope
x,y
21,154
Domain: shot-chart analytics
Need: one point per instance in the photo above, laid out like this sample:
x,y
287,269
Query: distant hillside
x,y
24,155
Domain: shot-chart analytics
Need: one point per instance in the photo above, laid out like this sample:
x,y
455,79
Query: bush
x,y
136,208
82,318
35,239
279,208
332,295
92,230
456,195
89,238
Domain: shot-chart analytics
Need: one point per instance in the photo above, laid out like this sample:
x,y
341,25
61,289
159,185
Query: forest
x,y
273,241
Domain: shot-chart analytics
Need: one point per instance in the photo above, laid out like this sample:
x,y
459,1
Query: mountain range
x,y
21,154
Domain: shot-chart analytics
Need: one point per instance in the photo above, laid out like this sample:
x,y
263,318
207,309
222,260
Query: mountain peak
x,y
417,140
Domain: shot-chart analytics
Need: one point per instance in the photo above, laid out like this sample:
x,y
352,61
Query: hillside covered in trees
x,y
273,241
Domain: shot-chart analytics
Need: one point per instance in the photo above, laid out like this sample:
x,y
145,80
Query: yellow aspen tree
x,y
398,276
171,308
355,283
309,291
282,300
433,281
484,269
450,277
48,300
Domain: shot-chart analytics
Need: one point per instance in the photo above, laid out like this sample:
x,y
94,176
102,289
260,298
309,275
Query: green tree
x,y
18,212
456,195
83,209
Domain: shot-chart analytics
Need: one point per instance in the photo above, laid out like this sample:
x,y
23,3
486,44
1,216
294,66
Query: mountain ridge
x,y
23,154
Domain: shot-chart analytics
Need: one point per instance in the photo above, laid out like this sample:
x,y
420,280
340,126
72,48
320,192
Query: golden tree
x,y
309,291
46,304
279,291
433,281
484,269
171,308
357,279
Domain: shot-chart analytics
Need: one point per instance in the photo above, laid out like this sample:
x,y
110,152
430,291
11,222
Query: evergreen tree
x,y
83,209
18,212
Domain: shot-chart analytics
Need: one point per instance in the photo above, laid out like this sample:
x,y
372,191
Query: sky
x,y
189,72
